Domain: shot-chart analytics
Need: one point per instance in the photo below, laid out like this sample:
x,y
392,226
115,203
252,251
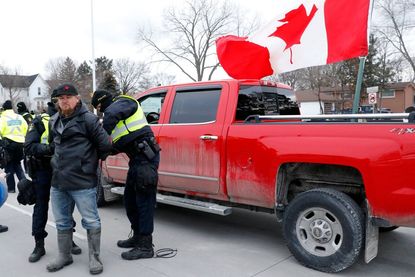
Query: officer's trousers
x,y
139,204
13,167
41,183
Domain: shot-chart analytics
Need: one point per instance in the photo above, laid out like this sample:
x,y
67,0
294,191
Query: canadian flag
x,y
302,34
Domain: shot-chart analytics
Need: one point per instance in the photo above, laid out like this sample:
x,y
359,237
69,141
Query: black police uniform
x,y
37,158
40,172
141,185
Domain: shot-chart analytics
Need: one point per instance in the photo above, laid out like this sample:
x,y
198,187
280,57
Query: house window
x,y
388,93
39,91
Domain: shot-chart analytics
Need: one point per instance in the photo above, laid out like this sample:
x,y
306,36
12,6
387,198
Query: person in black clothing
x,y
125,121
23,111
37,156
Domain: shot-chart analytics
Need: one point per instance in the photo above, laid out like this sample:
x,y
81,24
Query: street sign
x,y
372,89
372,97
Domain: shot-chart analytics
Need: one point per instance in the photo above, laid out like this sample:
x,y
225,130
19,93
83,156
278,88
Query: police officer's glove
x,y
51,148
103,156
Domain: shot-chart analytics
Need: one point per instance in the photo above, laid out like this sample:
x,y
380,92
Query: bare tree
x,y
396,26
161,79
193,29
61,70
130,75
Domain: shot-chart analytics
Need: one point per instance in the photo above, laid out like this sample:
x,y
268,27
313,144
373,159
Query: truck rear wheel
x,y
324,229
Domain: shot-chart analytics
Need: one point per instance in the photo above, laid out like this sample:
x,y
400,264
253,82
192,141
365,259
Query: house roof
x,y
17,81
400,85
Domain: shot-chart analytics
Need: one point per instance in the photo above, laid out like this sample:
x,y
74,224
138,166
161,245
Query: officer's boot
x,y
131,242
76,250
38,252
144,250
94,242
65,246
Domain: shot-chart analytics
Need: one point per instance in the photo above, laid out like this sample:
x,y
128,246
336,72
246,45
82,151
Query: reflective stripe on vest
x,y
45,120
26,113
133,123
14,127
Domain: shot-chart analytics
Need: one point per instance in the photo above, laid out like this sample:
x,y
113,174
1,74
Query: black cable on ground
x,y
165,253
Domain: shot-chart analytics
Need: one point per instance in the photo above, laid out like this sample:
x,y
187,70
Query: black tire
x,y
100,190
387,229
324,229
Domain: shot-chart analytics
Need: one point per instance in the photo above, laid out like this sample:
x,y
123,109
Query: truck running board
x,y
186,203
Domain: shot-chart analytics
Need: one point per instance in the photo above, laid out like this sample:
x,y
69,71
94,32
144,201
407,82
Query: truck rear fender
x,y
294,178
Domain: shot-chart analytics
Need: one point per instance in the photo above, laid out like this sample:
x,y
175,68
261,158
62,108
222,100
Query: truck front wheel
x,y
324,229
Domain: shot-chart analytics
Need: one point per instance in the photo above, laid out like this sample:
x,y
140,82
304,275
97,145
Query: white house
x,y
32,90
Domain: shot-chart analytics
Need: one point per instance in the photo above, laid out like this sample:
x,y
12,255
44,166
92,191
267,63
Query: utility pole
x,y
94,85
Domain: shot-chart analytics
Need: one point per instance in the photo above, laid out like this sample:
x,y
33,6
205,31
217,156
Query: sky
x,y
34,31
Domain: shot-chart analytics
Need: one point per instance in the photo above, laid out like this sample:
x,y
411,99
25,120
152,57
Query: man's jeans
x,y
86,203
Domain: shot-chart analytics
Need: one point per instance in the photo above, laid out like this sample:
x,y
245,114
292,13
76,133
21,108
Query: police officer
x,y
13,129
23,111
38,153
125,121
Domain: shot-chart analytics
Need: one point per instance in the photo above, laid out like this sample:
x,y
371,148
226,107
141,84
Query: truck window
x,y
195,106
263,100
151,105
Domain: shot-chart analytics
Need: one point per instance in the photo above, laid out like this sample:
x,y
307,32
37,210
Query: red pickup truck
x,y
332,180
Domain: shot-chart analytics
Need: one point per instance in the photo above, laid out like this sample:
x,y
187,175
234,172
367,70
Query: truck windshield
x,y
265,100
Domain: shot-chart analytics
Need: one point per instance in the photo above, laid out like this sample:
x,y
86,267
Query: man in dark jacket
x,y
23,111
79,141
125,121
38,153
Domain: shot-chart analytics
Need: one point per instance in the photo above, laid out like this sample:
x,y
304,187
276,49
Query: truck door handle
x,y
208,137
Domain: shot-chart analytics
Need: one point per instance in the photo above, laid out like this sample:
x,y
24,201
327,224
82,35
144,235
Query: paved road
x,y
242,244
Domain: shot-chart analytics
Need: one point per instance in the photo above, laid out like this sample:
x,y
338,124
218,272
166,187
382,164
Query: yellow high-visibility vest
x,y
45,120
13,126
133,123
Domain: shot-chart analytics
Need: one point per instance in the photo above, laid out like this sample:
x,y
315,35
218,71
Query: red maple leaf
x,y
296,22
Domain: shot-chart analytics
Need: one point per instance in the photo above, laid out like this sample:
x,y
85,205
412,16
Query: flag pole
x,y
93,47
356,101
358,85
94,85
